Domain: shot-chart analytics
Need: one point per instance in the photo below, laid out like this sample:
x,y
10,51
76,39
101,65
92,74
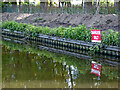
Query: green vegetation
x,y
0,24
68,21
78,33
25,18
0,42
95,48
106,7
40,18
36,20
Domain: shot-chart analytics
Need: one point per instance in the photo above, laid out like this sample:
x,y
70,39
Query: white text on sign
x,y
95,32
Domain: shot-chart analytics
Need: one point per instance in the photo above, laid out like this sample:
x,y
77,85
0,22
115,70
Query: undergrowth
x,y
78,33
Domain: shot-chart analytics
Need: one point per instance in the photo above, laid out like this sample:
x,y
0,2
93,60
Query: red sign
x,y
96,35
96,68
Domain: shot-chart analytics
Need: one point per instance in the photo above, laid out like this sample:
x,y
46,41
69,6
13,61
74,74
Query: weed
x,y
40,18
25,18
36,20
68,21
44,20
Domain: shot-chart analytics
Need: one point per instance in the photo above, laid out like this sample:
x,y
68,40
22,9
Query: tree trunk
x,y
88,6
117,6
107,7
43,5
50,3
68,4
59,3
98,7
83,6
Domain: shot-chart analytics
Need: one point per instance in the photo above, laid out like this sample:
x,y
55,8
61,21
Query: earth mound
x,y
103,22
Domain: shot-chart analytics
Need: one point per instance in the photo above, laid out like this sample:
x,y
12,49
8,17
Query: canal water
x,y
25,66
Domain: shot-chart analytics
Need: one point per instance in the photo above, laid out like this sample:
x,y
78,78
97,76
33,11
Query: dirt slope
x,y
103,22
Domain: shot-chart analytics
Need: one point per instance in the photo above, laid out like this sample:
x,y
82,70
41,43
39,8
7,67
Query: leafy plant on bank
x,y
95,48
79,33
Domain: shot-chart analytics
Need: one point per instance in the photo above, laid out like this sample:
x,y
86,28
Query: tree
x,y
50,3
62,2
98,7
68,3
107,7
117,5
88,5
43,4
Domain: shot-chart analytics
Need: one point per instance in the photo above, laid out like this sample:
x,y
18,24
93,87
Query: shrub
x,y
78,33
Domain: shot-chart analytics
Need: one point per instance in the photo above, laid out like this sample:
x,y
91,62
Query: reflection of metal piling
x,y
64,44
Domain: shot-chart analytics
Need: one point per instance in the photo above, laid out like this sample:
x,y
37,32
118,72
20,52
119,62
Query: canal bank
x,y
112,60
62,43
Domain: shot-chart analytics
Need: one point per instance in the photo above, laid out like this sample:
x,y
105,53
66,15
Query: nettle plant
x,y
112,38
78,33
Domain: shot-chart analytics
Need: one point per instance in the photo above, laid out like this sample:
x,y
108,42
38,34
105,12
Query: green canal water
x,y
24,66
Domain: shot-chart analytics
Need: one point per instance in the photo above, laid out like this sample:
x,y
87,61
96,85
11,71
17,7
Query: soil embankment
x,y
103,22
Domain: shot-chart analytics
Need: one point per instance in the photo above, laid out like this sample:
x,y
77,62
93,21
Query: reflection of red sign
x,y
96,35
96,68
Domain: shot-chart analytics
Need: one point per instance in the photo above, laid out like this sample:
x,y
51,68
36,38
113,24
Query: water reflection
x,y
42,69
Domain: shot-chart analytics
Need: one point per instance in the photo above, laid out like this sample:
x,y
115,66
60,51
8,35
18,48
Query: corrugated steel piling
x,y
64,44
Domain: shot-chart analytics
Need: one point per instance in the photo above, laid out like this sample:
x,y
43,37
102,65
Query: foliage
x,y
74,9
112,38
1,4
37,19
79,33
95,48
0,24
